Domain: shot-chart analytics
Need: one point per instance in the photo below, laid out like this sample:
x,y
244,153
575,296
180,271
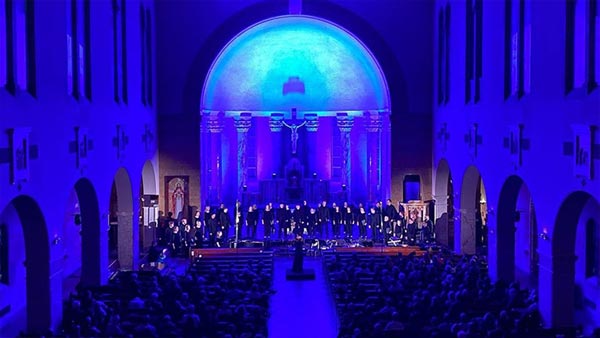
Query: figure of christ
x,y
294,128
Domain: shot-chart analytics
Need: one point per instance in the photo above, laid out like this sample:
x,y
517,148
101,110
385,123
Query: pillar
x,y
242,123
205,155
386,155
125,240
345,123
373,126
467,223
313,158
215,160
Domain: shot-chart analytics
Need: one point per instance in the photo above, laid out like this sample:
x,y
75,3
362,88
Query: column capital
x,y
373,121
243,122
312,122
212,122
345,122
276,122
441,199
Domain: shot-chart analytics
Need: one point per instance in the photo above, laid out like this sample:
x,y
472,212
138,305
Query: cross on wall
x,y
443,136
583,150
516,143
18,155
147,138
473,140
120,141
81,146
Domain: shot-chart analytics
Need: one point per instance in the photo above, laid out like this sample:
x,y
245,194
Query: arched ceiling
x,y
295,61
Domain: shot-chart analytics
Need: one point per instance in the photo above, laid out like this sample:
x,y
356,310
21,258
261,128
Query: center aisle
x,y
301,308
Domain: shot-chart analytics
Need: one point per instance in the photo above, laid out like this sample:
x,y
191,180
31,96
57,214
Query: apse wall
x,y
468,133
386,27
56,157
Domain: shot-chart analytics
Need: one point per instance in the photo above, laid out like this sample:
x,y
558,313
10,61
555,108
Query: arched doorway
x,y
575,266
444,205
148,217
121,240
473,214
27,306
517,257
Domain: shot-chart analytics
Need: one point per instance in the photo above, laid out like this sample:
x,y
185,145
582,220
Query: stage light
x,y
343,187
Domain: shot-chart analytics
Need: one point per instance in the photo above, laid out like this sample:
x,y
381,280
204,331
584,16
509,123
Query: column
x,y
215,128
373,125
125,240
386,155
274,192
242,123
345,123
205,156
313,158
468,243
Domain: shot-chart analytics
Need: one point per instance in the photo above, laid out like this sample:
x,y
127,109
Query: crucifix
x,y
294,128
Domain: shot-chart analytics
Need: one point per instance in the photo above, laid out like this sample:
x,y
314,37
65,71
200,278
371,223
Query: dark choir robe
x,y
225,222
361,219
311,222
336,221
252,222
213,226
188,237
176,240
297,217
323,216
390,216
268,219
347,221
375,222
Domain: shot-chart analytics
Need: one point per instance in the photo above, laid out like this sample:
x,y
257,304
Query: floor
x,y
301,308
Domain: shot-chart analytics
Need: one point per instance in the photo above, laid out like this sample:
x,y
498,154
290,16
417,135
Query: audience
x,y
436,295
208,301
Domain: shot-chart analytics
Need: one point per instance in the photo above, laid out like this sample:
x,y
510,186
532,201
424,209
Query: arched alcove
x,y
303,79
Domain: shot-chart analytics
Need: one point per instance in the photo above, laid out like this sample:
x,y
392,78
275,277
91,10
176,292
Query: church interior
x,y
476,122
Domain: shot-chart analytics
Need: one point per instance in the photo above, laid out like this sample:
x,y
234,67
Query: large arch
x,y
473,212
29,304
91,261
82,238
516,230
336,70
284,68
122,245
574,213
228,29
444,205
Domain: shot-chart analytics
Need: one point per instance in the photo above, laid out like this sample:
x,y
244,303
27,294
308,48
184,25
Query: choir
x,y
379,223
